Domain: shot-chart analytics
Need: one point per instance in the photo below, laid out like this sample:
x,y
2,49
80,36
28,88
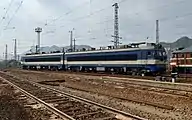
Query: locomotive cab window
x,y
160,53
174,56
149,53
181,55
164,53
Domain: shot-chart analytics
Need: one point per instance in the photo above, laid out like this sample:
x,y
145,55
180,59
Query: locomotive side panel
x,y
52,61
115,61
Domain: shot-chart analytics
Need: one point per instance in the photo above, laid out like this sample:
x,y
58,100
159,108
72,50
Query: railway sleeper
x,y
71,110
30,88
88,114
41,95
68,104
50,98
107,118
55,100
36,91
47,95
94,115
62,103
62,106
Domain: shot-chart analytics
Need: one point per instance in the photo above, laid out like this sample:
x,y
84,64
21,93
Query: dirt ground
x,y
10,109
15,106
134,100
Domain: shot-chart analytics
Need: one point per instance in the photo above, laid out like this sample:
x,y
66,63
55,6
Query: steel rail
x,y
91,102
138,82
49,107
125,114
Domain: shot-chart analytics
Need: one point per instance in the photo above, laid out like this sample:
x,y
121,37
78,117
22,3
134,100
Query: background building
x,y
181,61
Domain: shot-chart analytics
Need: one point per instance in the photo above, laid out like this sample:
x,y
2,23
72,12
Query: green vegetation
x,y
9,64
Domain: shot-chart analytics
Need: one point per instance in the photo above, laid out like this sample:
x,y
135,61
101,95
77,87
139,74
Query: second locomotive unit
x,y
140,58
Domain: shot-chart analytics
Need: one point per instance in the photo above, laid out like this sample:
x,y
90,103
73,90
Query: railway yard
x,y
43,95
140,76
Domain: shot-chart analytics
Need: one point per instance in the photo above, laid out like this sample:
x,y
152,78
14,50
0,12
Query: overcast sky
x,y
92,21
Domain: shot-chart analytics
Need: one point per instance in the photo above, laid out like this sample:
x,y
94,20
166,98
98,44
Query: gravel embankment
x,y
135,100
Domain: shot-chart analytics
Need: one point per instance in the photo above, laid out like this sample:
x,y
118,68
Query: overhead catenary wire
x,y
177,17
67,13
86,16
136,13
158,7
7,10
161,19
105,8
14,14
98,23
137,25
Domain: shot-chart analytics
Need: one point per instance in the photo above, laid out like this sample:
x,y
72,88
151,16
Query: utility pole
x,y
116,26
6,55
18,58
157,31
74,44
36,48
71,40
63,66
15,49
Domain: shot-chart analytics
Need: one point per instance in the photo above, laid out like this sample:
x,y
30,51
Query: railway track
x,y
154,88
65,105
139,86
121,78
143,86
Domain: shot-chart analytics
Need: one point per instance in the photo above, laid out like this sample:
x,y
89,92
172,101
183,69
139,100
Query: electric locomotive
x,y
136,58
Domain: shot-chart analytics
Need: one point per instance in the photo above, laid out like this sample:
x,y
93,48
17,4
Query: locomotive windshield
x,y
159,54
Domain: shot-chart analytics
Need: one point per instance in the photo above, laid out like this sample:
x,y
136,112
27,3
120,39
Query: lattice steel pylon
x,y
116,26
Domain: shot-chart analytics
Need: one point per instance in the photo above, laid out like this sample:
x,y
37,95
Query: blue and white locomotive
x,y
140,58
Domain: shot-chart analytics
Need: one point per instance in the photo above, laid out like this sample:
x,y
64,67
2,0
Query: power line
x,y
92,13
49,32
67,13
137,14
86,16
141,24
4,16
176,17
14,14
158,7
98,23
162,20
104,21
